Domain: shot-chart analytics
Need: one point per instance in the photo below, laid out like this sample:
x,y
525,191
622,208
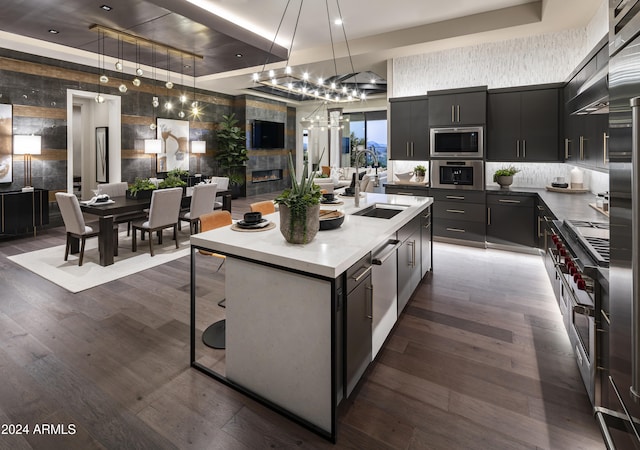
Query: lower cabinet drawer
x,y
459,229
471,212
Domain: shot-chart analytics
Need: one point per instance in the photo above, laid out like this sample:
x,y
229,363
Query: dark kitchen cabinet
x,y
544,217
464,107
358,318
523,125
21,212
407,189
510,219
459,215
409,261
587,140
409,128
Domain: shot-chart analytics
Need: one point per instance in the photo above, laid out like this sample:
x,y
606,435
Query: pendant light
x,y
195,108
183,97
103,78
155,103
123,87
136,81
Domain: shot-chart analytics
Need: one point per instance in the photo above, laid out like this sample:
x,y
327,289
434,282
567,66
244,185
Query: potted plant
x,y
141,188
180,173
300,207
232,152
419,172
172,181
504,176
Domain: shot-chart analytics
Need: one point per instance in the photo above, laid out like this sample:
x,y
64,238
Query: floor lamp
x,y
198,148
27,146
153,147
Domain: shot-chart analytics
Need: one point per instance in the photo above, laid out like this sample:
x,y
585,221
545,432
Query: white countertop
x,y
331,252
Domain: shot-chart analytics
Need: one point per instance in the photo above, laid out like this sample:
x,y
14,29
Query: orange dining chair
x,y
265,207
214,335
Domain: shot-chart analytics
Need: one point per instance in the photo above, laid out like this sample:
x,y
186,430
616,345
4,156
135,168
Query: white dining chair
x,y
203,198
163,213
223,185
74,224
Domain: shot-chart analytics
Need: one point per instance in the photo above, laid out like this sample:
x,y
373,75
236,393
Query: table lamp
x,y
152,147
27,146
198,147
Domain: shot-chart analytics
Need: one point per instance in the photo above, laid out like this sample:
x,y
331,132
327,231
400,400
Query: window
x,y
368,129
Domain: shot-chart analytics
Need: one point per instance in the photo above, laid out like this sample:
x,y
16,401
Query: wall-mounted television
x,y
265,134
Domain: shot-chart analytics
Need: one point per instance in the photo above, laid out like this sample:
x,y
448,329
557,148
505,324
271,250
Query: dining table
x,y
123,205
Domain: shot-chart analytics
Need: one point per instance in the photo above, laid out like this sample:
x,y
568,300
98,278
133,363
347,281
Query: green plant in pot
x,y
419,172
300,207
504,176
172,181
141,188
179,173
232,150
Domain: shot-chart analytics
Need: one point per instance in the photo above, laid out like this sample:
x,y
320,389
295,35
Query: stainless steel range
x,y
578,248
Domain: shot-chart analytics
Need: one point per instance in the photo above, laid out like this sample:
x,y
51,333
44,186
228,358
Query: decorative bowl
x,y
330,219
404,176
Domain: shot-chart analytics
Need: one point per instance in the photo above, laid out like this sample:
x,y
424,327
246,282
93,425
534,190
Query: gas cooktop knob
x,y
573,271
577,277
582,285
554,238
563,252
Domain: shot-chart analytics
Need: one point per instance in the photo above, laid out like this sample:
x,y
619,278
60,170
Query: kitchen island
x,y
285,308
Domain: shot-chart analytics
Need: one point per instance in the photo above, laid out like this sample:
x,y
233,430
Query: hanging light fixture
x,y
304,84
136,81
321,119
168,84
154,102
195,107
119,61
183,97
103,78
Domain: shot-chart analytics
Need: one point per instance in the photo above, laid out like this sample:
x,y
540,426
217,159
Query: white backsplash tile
x,y
539,175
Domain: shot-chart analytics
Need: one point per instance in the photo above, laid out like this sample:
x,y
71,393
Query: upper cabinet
x,y
523,125
409,128
586,114
458,108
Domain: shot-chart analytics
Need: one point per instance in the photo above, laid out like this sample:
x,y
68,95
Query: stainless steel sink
x,y
381,210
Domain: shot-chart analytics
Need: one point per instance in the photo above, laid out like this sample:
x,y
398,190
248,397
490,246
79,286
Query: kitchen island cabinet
x,y
285,308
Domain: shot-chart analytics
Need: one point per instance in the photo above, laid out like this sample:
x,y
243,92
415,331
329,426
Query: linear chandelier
x,y
304,84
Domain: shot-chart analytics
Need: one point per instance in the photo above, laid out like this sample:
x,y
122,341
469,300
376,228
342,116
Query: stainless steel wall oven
x,y
457,174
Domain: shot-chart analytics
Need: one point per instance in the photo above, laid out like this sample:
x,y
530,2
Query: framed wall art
x,y
174,135
6,143
102,154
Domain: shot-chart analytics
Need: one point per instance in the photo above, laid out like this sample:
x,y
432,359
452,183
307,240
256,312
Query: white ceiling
x,y
376,30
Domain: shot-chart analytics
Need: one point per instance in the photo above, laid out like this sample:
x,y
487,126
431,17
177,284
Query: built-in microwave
x,y
457,174
459,142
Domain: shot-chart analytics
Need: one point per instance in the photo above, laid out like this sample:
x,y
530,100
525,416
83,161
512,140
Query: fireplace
x,y
262,176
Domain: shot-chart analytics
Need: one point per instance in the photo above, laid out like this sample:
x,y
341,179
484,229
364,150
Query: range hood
x,y
593,95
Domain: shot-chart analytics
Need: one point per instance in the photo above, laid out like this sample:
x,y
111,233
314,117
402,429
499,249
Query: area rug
x,y
49,262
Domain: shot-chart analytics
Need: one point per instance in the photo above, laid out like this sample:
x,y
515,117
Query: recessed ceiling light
x,y
52,31
337,21
238,55
187,66
106,7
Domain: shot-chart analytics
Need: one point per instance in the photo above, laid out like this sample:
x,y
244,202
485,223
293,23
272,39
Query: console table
x,y
21,212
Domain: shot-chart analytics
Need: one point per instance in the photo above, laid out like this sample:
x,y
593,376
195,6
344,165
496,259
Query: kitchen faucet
x,y
357,184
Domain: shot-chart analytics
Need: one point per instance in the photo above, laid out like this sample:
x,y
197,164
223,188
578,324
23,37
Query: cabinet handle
x,y
518,148
457,230
508,201
411,148
605,147
455,197
455,211
403,193
540,208
411,244
365,271
488,216
581,148
458,110
407,148
369,313
453,116
567,143
524,148
539,229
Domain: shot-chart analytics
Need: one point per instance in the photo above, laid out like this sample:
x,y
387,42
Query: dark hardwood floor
x,y
479,360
